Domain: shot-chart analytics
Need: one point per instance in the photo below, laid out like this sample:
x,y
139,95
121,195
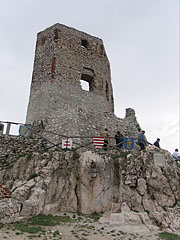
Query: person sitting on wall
x,y
142,142
176,155
119,140
156,143
105,134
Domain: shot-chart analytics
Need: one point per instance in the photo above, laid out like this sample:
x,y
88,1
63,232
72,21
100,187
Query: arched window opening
x,y
84,85
86,82
87,79
84,43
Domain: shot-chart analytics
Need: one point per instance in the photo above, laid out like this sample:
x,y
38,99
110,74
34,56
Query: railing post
x,y
1,128
8,128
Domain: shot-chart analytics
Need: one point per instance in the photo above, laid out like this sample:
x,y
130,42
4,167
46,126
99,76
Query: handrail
x,y
57,134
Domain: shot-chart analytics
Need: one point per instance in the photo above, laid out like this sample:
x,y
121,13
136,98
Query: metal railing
x,y
37,132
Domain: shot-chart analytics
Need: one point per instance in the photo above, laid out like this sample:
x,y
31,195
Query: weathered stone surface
x,y
128,222
141,186
148,204
116,208
95,194
48,182
57,99
137,191
159,159
9,210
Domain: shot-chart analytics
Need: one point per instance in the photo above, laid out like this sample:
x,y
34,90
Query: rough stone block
x,y
159,159
117,219
116,208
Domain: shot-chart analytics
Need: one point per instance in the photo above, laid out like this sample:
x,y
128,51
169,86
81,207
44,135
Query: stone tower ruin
x,y
63,57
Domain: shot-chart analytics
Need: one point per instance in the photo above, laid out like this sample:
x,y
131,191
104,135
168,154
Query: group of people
x,y
142,142
118,137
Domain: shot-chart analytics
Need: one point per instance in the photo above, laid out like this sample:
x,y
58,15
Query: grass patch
x,y
49,220
124,165
29,156
95,216
34,175
115,156
85,234
76,236
168,236
34,224
30,137
56,233
82,226
76,156
27,228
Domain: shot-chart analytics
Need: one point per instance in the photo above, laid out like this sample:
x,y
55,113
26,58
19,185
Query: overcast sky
x,y
141,38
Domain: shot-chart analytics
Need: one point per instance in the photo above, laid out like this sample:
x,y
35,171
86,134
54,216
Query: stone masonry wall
x,y
61,61
63,57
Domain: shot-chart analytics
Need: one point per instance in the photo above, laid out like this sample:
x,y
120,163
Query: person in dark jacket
x,y
157,143
119,140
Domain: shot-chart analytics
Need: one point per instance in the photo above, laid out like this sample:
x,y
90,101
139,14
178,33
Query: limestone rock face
x,y
134,189
141,186
95,192
9,211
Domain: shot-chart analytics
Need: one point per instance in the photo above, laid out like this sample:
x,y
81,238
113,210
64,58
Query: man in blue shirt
x,y
142,142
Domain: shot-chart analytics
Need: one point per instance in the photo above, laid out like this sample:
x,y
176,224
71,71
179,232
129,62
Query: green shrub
x,y
95,216
75,155
48,220
23,227
34,175
168,236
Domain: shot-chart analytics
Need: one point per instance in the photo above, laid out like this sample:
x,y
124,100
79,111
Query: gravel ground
x,y
74,232
81,227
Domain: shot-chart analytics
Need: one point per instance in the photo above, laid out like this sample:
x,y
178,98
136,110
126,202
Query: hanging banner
x,y
98,142
23,130
67,143
129,143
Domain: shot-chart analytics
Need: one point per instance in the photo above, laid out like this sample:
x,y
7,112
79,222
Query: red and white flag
x,y
67,143
98,142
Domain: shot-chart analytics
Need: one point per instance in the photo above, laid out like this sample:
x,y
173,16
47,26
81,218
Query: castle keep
x,y
65,56
137,191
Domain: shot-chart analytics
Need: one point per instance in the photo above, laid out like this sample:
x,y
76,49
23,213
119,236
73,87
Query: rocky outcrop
x,y
137,188
9,211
